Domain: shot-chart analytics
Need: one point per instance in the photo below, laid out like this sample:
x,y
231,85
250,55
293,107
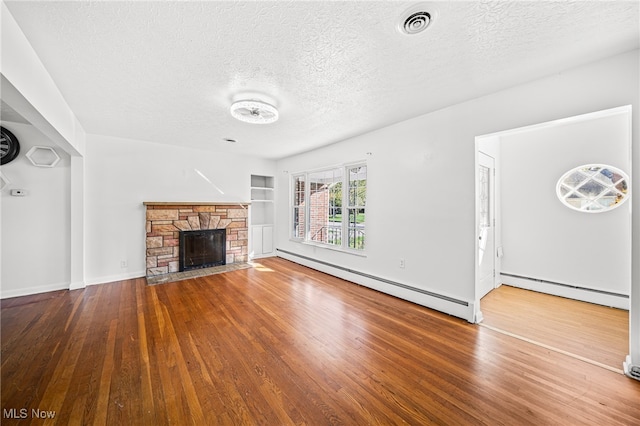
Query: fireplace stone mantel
x,y
198,203
165,220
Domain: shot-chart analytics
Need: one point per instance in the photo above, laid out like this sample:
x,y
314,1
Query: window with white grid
x,y
357,198
329,206
593,188
299,223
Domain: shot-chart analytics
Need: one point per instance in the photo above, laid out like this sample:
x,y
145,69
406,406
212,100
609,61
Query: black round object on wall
x,y
9,146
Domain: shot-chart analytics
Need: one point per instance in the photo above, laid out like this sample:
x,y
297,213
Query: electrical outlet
x,y
123,264
401,264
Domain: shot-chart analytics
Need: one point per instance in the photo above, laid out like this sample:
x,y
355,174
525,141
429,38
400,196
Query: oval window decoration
x,y
593,188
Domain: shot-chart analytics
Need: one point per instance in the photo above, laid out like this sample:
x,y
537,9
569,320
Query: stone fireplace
x,y
164,221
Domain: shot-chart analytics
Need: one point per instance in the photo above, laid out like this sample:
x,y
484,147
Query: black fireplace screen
x,y
202,249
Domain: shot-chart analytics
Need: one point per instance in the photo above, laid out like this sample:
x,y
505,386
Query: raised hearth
x,y
196,273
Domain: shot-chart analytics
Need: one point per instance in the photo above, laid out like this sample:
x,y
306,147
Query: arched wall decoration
x,y
593,188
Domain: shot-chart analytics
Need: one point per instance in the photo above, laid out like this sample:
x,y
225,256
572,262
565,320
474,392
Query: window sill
x,y
329,247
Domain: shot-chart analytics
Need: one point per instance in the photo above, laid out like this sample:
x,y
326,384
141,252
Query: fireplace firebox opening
x,y
202,249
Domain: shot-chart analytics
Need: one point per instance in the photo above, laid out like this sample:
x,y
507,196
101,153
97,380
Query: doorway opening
x,y
487,249
532,240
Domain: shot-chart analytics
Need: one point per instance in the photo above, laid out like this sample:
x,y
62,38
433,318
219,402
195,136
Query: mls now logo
x,y
42,414
14,413
23,413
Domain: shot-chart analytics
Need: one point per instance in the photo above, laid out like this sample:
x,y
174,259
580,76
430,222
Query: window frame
x,y
566,190
345,208
295,219
348,206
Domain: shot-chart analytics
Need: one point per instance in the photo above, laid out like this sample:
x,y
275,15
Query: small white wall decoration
x,y
593,188
43,156
4,182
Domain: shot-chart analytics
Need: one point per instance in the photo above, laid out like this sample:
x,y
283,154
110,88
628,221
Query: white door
x,y
486,223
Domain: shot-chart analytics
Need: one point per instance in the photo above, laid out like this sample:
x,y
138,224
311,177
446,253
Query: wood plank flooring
x,y
281,344
598,333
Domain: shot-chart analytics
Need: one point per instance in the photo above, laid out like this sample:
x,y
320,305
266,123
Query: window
x,y
593,188
334,201
298,206
356,210
325,207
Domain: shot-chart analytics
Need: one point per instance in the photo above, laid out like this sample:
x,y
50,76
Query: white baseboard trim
x,y
77,285
262,256
27,291
449,305
6,294
114,278
570,292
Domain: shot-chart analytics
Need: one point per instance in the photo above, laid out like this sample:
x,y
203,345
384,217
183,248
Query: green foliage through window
x,y
323,211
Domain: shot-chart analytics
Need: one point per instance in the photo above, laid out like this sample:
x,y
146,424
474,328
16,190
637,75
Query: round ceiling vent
x,y
416,23
415,20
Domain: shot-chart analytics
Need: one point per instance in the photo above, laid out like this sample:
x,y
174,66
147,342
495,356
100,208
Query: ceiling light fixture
x,y
256,112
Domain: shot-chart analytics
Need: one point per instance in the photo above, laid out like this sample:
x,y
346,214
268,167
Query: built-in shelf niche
x,y
262,198
262,215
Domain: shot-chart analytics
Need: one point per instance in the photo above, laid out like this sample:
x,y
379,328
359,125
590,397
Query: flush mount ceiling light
x,y
414,20
256,112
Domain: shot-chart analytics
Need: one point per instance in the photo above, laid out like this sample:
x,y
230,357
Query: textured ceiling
x,y
167,72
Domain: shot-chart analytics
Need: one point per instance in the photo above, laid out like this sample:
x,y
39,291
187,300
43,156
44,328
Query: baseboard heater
x,y
634,371
608,293
373,277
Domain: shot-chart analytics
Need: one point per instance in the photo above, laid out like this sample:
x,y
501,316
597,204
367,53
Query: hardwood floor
x,y
595,332
282,344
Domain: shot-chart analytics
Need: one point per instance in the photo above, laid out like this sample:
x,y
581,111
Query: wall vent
x,y
634,372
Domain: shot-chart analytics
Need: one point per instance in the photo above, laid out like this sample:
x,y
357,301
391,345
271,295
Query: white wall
x,y
36,227
30,90
421,200
121,174
545,240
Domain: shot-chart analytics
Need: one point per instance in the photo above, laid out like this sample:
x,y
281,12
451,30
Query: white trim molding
x,y
599,297
118,277
28,291
631,370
